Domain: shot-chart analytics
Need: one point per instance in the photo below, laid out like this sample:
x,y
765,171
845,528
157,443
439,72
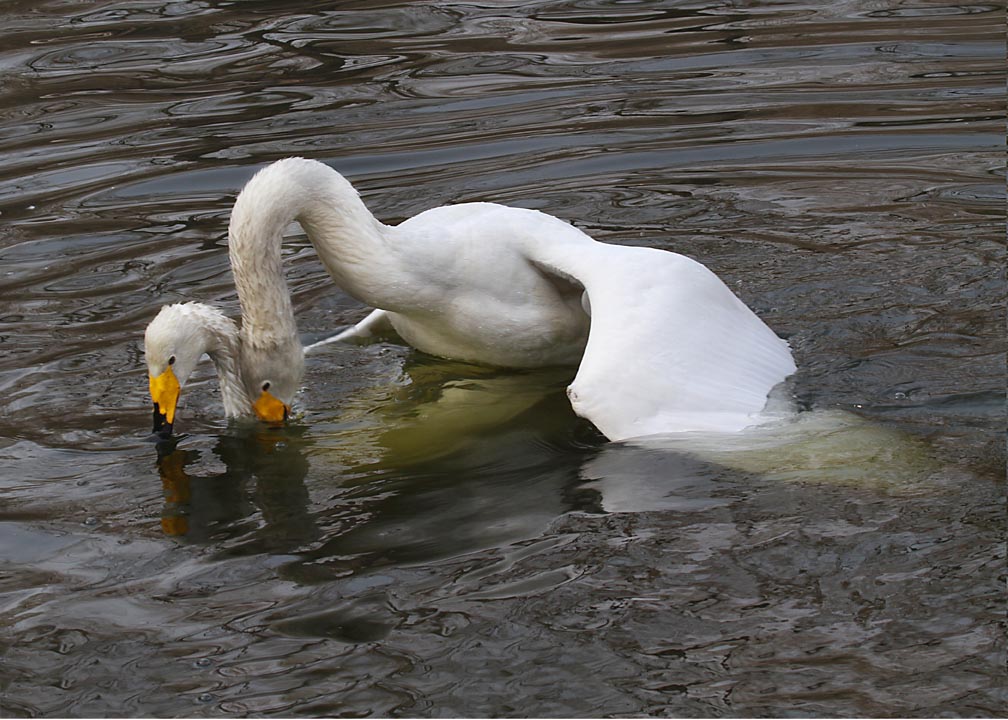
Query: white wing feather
x,y
670,349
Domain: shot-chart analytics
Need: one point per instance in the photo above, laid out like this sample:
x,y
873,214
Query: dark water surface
x,y
431,539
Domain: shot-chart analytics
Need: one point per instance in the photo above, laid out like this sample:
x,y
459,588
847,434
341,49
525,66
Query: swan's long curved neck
x,y
349,240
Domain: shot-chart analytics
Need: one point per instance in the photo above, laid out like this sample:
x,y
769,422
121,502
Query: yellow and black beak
x,y
269,409
164,390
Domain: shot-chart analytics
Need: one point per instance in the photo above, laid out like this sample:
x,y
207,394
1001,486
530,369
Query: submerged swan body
x,y
661,344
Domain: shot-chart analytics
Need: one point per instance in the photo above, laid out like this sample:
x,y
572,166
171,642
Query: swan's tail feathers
x,y
376,324
670,349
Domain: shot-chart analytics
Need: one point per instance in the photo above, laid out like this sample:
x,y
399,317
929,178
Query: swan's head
x,y
272,375
174,342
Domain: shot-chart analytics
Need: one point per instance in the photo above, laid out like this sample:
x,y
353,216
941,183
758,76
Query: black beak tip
x,y
162,427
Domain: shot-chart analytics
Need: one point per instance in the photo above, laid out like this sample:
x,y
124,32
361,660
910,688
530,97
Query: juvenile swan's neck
x,y
233,395
347,237
222,345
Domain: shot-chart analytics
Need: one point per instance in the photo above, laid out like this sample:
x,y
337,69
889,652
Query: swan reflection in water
x,y
204,508
453,458
448,459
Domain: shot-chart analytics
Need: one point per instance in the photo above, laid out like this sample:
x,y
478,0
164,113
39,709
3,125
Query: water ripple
x,y
430,538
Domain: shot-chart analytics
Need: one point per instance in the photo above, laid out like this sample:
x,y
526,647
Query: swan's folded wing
x,y
670,349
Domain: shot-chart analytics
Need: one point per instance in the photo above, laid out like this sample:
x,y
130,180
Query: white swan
x,y
663,345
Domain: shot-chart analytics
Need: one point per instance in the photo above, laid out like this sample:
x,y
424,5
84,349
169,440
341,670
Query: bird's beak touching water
x,y
269,409
164,390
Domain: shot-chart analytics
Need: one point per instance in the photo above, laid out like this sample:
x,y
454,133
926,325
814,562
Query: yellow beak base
x,y
269,409
164,391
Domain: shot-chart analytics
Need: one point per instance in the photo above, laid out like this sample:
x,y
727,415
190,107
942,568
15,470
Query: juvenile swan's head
x,y
174,342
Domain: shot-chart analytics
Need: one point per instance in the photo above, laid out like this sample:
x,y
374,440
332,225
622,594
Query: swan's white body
x,y
663,345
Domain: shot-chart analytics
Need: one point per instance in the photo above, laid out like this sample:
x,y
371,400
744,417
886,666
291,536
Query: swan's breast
x,y
493,331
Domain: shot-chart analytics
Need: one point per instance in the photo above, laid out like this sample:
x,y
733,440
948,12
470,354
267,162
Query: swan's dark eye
x,y
266,386
171,360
